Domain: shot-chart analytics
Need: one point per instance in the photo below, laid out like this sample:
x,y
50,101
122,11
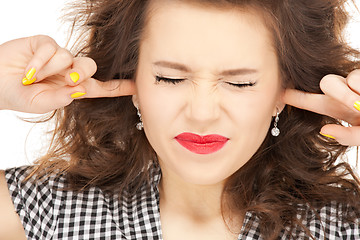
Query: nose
x,y
203,106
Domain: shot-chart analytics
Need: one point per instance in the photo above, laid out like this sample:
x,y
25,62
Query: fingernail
x,y
357,105
74,77
26,81
77,94
327,135
30,74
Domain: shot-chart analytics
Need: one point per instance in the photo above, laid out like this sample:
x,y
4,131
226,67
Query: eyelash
x,y
179,80
169,80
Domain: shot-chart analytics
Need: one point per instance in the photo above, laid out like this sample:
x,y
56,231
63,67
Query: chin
x,y
203,176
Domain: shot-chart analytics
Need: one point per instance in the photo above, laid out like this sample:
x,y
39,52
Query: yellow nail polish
x,y
30,74
26,81
77,94
74,77
357,105
327,135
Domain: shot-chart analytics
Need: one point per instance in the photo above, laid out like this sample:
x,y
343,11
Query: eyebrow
x,y
184,68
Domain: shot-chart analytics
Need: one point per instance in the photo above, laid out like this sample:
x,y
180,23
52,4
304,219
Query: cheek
x,y
251,116
252,107
158,103
251,120
159,109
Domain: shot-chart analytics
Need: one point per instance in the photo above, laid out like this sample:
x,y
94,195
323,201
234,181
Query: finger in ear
x,y
135,100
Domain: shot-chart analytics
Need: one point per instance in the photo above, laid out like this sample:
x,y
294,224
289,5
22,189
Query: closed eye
x,y
242,85
179,80
169,80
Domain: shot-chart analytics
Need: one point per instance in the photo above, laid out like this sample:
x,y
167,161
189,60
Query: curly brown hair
x,y
96,143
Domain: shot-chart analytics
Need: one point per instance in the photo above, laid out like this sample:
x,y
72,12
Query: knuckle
x,y
38,37
356,72
64,56
88,65
49,47
304,99
93,65
111,87
354,78
353,135
43,40
327,81
45,53
46,38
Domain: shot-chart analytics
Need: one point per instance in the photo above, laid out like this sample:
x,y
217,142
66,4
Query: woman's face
x,y
222,80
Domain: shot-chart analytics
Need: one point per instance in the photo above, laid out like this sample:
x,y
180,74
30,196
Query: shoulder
x,y
34,200
10,224
28,188
331,221
48,209
46,192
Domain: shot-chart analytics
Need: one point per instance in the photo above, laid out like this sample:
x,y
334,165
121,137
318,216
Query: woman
x,y
205,148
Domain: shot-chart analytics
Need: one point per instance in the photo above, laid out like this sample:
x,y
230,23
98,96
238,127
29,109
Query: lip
x,y
206,144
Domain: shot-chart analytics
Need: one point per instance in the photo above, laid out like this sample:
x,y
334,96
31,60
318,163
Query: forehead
x,y
181,29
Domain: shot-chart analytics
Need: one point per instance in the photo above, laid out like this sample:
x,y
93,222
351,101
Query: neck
x,y
199,202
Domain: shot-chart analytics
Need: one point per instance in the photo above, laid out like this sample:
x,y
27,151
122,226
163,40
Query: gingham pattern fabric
x,y
47,212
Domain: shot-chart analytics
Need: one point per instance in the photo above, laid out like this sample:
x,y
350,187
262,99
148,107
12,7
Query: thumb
x,y
111,88
348,136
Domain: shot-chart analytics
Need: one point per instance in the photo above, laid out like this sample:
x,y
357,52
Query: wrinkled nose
x,y
203,105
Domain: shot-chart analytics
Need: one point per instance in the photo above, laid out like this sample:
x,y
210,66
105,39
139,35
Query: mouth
x,y
201,144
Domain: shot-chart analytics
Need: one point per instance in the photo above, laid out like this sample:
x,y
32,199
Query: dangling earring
x,y
140,125
275,131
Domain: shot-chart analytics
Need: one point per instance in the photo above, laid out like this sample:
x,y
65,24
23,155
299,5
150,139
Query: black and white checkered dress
x,y
47,213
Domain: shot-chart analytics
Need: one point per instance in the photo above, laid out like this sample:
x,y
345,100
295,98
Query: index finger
x,y
111,88
313,102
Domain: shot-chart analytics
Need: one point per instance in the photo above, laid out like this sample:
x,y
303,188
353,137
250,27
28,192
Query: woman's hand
x,y
341,100
38,76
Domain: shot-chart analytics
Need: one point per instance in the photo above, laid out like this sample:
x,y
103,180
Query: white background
x,y
21,142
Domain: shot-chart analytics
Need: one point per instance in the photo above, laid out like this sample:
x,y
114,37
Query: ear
x,y
278,108
135,100
280,105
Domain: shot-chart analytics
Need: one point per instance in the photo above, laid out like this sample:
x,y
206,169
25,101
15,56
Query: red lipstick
x,y
201,144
